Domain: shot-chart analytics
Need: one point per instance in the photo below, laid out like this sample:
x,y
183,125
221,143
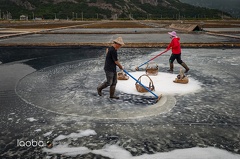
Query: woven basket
x,y
140,88
152,69
181,78
122,76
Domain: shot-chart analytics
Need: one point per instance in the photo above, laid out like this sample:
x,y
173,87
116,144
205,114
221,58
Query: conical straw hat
x,y
119,40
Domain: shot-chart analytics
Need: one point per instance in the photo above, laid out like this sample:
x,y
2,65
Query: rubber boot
x,y
100,88
171,68
112,91
186,67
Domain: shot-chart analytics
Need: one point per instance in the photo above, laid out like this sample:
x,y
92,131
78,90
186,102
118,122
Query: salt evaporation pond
x,y
56,96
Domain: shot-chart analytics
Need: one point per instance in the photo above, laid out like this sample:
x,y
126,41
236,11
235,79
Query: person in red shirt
x,y
176,51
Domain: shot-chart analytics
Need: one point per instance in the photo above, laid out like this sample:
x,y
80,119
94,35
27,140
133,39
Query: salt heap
x,y
163,83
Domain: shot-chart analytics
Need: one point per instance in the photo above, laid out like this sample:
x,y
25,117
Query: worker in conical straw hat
x,y
176,51
111,61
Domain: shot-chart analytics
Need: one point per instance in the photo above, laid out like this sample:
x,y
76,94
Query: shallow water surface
x,y
50,92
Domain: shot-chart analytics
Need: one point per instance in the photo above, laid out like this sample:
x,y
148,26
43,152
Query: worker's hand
x,y
121,67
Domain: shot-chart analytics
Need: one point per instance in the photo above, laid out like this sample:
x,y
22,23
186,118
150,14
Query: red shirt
x,y
175,45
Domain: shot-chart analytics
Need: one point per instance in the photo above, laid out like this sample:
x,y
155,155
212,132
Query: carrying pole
x,y
157,97
137,68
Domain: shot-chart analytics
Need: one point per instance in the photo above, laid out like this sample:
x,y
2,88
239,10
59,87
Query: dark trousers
x,y
175,56
111,78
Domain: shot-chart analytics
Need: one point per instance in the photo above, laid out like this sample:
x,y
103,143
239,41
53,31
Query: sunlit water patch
x,y
70,89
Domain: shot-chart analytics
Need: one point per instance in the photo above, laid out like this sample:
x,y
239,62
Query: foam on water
x,y
116,152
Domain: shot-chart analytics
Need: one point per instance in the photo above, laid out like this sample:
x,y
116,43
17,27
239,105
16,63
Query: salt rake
x,y
137,68
157,97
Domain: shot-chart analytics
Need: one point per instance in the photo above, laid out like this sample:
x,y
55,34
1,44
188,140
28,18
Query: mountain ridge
x,y
231,6
106,9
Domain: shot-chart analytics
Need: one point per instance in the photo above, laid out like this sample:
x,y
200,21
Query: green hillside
x,y
106,9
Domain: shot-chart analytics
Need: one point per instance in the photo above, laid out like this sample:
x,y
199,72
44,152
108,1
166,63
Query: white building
x,y
23,17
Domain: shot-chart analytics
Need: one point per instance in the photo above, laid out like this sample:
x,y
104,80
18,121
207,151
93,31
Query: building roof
x,y
186,27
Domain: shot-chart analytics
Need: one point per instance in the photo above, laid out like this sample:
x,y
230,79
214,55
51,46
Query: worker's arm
x,y
119,65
